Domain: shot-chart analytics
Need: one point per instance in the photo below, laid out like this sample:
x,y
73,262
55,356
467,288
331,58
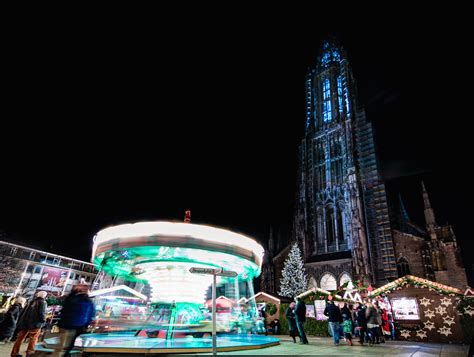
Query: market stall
x,y
424,310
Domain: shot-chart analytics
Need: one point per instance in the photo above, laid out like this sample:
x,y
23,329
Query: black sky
x,y
112,123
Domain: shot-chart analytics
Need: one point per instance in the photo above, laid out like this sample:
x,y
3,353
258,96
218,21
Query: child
x,y
347,327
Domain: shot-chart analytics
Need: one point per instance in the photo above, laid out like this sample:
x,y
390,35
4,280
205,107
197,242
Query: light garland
x,y
410,279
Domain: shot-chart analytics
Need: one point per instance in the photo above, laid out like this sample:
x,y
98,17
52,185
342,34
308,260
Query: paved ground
x,y
323,347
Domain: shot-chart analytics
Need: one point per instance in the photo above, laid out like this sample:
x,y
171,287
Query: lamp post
x,y
214,273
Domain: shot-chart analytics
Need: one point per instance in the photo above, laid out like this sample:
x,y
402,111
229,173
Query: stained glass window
x,y
327,114
340,98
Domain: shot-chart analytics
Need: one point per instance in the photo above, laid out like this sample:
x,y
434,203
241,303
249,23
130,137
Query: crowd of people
x,y
27,319
369,322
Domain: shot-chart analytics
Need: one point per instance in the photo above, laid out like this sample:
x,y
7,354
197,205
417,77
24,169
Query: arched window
x,y
344,279
312,283
328,282
403,267
330,226
327,113
340,96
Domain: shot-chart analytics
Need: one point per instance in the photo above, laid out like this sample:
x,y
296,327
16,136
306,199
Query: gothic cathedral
x,y
342,220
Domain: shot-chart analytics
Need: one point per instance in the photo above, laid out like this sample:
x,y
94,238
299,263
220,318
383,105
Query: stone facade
x,y
414,250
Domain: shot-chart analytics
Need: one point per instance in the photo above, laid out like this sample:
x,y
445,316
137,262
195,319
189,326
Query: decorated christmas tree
x,y
294,280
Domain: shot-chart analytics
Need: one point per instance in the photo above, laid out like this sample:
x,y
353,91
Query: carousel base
x,y
130,344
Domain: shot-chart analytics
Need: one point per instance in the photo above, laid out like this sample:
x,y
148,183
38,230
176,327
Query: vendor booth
x,y
424,310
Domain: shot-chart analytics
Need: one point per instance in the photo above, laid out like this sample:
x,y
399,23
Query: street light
x,y
214,273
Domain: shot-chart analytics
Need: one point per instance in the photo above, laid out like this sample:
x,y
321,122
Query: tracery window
x,y
328,282
327,113
403,267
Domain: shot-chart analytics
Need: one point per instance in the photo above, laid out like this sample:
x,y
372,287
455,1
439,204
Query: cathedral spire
x,y
429,213
403,210
271,243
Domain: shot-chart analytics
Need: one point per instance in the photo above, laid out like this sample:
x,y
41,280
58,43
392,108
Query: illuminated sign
x,y
405,309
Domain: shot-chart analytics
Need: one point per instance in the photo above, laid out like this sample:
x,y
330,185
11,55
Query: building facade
x,y
24,270
342,220
431,252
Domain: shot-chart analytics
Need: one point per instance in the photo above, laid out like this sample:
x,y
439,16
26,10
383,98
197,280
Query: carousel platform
x,y
128,343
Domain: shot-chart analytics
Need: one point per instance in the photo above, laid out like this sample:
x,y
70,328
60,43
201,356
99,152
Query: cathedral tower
x,y
341,217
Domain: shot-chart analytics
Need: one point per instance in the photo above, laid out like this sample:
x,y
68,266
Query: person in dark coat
x,y
10,319
334,319
345,310
291,318
361,323
300,313
30,322
77,313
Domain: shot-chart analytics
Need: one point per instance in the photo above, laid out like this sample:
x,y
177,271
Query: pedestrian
x,y
334,319
380,323
263,315
361,322
345,310
347,327
275,326
77,313
291,318
386,331
372,317
300,313
30,322
10,319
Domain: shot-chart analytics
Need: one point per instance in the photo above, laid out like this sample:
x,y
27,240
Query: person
x,y
347,327
30,322
372,317
361,322
263,315
391,325
345,310
10,319
334,319
76,315
290,316
300,314
275,326
380,323
386,331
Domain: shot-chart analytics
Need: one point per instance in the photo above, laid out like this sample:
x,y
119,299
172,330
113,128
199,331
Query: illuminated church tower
x,y
341,215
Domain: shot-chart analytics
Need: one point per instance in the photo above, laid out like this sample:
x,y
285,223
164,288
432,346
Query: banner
x,y
53,279
319,306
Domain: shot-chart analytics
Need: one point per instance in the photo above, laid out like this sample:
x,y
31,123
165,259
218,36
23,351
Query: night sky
x,y
112,124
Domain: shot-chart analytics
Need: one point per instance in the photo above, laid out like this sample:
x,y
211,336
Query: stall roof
x,y
318,291
425,282
257,295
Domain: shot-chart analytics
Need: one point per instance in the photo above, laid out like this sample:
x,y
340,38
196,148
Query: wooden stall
x,y
424,310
